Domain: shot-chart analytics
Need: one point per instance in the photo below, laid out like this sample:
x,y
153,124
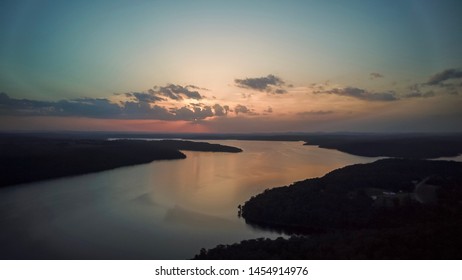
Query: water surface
x,y
161,210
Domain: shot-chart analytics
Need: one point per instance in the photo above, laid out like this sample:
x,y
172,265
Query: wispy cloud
x,y
149,96
362,94
315,113
241,109
416,91
270,84
448,81
418,94
91,107
177,92
375,75
168,92
441,77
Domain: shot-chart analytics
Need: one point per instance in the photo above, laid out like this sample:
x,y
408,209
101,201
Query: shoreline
x,y
28,159
377,201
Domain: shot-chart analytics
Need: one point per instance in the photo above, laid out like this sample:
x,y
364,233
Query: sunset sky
x,y
231,66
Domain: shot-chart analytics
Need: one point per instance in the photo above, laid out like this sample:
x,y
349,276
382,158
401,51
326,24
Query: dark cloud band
x,y
441,77
141,108
270,83
362,94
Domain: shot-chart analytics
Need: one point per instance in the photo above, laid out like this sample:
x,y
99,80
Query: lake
x,y
161,210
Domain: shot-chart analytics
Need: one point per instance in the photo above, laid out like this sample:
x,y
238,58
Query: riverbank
x,y
29,159
400,145
363,211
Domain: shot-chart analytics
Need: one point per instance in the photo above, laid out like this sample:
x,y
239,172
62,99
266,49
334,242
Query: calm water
x,y
162,210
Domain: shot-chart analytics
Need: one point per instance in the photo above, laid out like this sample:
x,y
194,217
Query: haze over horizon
x,y
231,66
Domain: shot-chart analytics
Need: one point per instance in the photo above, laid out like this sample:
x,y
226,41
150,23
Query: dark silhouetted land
x,y
422,146
358,196
418,146
27,159
391,208
401,208
409,145
412,145
437,241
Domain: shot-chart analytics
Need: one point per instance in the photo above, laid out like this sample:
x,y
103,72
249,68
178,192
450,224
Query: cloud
x,y
193,114
441,77
246,96
375,75
170,91
91,107
315,113
196,87
279,91
177,92
448,81
143,110
139,108
418,94
149,96
220,110
241,109
7,103
362,94
270,84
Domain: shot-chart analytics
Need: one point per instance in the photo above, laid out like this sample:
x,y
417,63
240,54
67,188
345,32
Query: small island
x,y
27,159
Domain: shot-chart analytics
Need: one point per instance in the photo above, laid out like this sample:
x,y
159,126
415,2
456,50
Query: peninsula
x,y
27,159
388,209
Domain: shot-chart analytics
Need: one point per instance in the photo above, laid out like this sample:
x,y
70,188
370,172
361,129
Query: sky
x,y
231,66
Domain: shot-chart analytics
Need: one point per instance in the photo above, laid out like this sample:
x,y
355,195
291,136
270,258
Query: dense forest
x,y
29,159
374,210
439,240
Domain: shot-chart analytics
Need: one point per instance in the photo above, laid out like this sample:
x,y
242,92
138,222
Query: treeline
x,y
29,159
340,199
418,146
336,217
439,240
409,145
197,146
